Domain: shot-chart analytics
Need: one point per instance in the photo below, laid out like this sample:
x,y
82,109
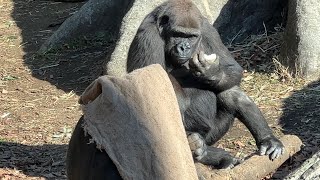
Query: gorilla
x,y
206,80
176,36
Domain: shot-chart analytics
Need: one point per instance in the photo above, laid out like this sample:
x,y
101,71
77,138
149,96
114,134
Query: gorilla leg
x,y
205,128
85,161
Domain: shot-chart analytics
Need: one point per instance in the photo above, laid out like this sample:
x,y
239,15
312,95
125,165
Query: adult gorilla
x,y
178,37
206,79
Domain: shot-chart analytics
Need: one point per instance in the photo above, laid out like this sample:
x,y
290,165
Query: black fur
x,y
85,161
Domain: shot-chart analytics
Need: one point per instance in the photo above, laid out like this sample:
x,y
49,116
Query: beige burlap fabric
x,y
136,120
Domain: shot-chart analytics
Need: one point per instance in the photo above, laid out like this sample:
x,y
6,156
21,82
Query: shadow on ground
x,y
301,117
70,68
46,161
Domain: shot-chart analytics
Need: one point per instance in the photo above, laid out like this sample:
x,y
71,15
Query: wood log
x,y
257,167
310,169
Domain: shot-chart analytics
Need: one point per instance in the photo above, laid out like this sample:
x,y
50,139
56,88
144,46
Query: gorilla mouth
x,y
181,60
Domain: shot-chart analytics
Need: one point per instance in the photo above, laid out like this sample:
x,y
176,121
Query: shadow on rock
x,y
249,17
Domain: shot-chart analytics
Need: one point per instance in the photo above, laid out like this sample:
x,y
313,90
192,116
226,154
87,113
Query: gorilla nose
x,y
183,49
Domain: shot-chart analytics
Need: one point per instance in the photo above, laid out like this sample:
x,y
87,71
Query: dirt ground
x,y
39,93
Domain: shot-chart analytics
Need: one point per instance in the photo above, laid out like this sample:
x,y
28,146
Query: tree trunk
x,y
301,49
309,170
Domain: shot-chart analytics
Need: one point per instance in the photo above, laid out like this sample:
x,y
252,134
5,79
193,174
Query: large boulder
x,y
132,20
92,17
120,19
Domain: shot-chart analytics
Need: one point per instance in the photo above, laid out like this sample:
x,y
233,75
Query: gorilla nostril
x,y
183,48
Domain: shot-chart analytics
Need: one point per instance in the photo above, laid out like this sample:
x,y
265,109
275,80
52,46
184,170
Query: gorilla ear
x,y
162,23
91,92
164,20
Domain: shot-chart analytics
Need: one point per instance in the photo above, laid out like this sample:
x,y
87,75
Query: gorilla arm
x,y
224,79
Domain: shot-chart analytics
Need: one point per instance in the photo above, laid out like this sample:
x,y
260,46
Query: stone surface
x,y
94,16
301,48
235,20
132,20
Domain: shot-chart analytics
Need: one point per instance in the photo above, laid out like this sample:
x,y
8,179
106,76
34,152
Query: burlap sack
x,y
136,120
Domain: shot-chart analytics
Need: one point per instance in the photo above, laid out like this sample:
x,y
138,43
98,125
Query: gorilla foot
x,y
212,156
219,158
197,145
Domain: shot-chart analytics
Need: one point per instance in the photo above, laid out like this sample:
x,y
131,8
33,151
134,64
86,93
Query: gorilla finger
x,y
194,62
201,57
270,150
195,141
238,161
275,154
192,146
279,154
199,151
199,155
263,150
230,166
193,137
200,144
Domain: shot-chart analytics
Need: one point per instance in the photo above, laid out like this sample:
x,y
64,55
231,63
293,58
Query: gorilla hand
x,y
271,146
204,66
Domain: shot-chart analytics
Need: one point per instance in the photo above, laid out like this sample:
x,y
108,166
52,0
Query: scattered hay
x,y
255,53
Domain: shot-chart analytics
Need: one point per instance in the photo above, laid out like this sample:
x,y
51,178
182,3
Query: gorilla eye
x,y
164,20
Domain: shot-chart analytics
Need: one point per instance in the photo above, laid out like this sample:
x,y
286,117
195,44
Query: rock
x,y
132,20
